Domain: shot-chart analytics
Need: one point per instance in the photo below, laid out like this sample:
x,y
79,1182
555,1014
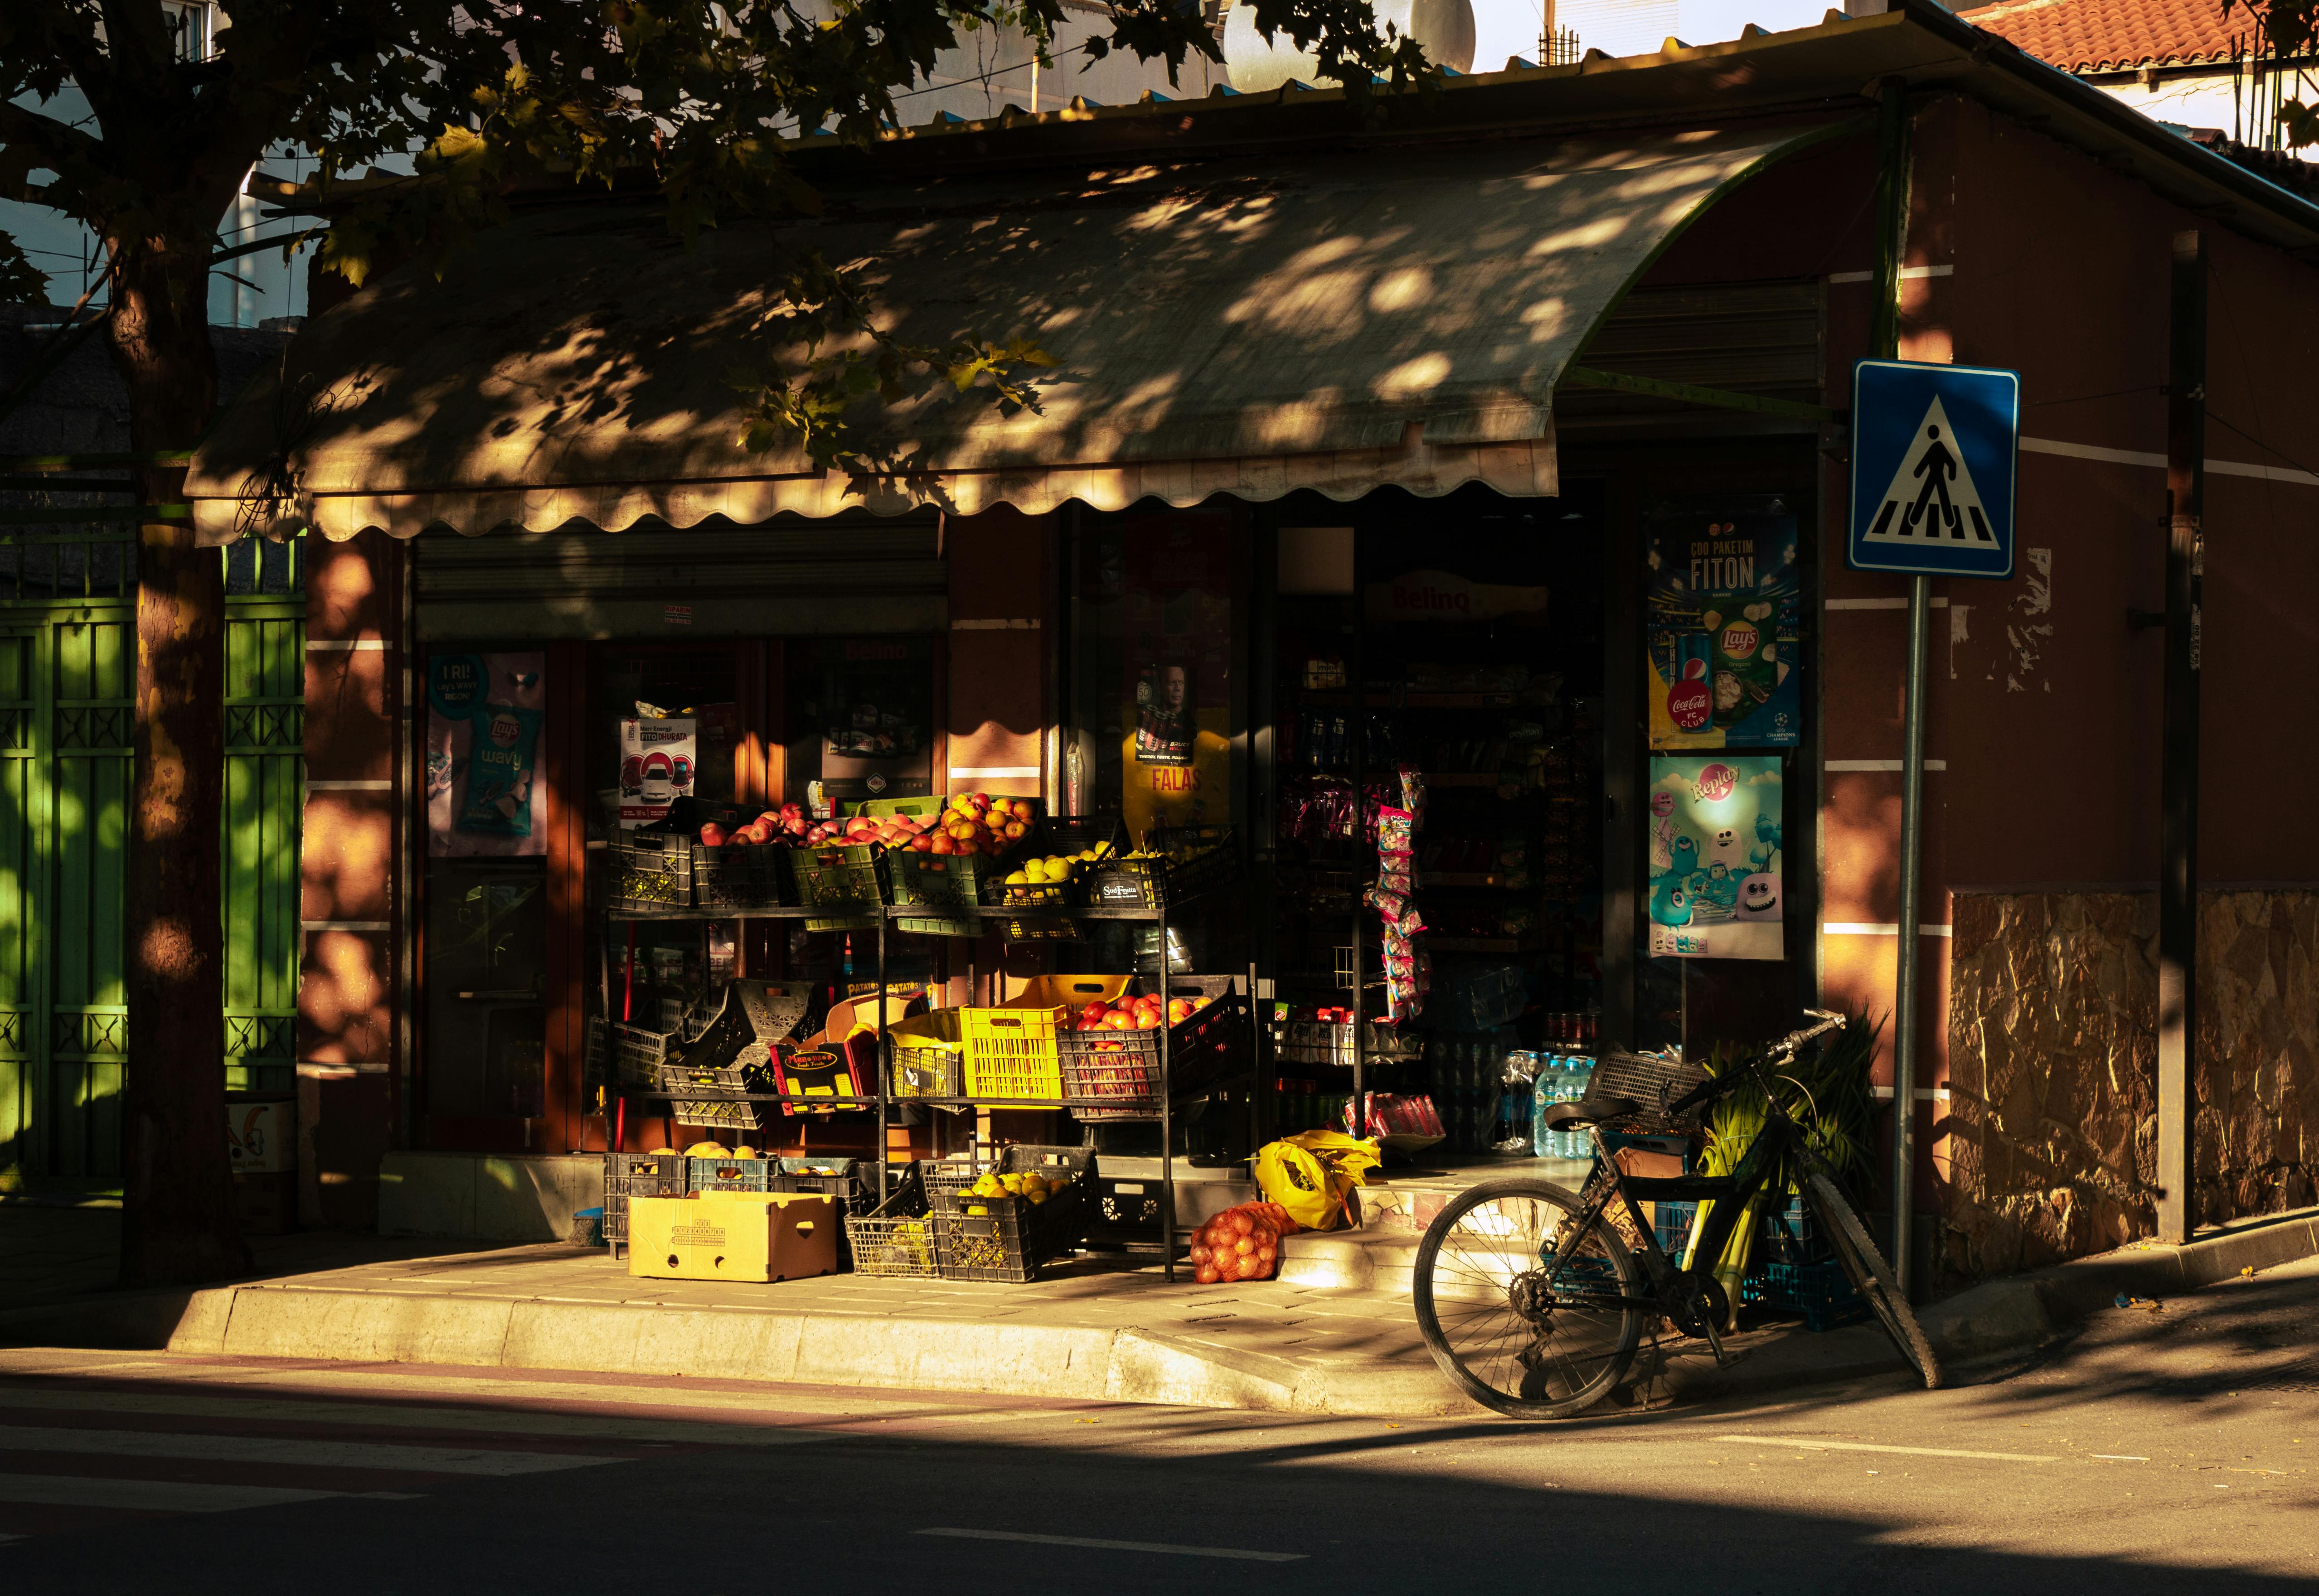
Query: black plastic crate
x,y
1184,862
649,870
1076,834
709,1098
645,1174
1009,1239
849,1180
1115,1075
1822,1293
755,1015
740,876
897,1238
731,1175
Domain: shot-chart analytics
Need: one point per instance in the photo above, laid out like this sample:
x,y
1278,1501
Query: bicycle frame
x,y
1730,1195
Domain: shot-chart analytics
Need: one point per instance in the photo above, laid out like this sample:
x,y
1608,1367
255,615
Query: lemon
x,y
1058,869
1019,878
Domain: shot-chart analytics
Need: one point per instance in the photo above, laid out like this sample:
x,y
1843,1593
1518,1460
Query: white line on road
x,y
1121,1546
1781,1441
304,1453
159,1496
2117,1457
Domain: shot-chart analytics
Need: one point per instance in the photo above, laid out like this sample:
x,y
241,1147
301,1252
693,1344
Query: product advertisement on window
x,y
1176,759
485,738
1724,625
1715,876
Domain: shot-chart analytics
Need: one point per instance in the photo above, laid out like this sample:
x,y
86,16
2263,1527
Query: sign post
x,y
1934,456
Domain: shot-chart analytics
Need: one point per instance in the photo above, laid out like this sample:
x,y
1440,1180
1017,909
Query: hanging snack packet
x,y
1412,795
499,772
1396,830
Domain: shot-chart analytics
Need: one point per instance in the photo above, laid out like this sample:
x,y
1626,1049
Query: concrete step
x,y
1408,1200
1378,1258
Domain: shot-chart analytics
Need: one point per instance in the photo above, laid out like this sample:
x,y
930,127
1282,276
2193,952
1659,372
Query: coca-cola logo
x,y
1691,705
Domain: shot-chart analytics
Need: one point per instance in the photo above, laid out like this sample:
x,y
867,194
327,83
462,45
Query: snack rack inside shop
x,y
854,890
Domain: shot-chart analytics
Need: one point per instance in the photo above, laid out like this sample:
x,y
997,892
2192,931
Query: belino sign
x,y
1438,596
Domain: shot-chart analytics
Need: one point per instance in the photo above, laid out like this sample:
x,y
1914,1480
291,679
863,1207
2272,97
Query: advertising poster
x,y
868,706
1176,615
1715,830
1723,626
658,758
485,715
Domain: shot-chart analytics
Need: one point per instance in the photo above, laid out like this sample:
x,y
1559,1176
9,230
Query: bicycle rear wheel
x,y
1872,1277
1502,1290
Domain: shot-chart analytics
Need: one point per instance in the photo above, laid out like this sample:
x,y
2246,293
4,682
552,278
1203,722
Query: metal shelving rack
x,y
884,914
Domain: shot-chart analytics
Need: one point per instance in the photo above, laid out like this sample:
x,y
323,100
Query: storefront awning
x,y
1249,326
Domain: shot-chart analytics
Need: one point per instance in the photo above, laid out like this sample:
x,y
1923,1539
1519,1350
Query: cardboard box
x,y
757,1236
265,1204
261,1134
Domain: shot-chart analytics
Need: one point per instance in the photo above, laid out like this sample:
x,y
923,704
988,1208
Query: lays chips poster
x,y
1723,632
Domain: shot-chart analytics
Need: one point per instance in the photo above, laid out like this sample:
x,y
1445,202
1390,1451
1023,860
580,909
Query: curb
x,y
2022,1310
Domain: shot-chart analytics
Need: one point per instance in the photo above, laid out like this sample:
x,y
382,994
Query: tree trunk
x,y
177,1203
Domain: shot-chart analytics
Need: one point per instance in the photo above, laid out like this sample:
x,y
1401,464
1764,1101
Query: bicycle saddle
x,y
1590,1111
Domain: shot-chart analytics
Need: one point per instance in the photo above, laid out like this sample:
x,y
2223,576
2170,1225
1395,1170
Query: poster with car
x,y
1722,632
485,739
1714,827
658,756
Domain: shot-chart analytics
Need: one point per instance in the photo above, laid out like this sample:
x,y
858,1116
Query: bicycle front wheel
x,y
1872,1277
1524,1315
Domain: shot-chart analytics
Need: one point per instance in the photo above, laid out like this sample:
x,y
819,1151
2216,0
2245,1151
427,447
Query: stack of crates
x,y
638,1175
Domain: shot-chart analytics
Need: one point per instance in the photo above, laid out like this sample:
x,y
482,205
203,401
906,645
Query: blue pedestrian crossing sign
x,y
1934,451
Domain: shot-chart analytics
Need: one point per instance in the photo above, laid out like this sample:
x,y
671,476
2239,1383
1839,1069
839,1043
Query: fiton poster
x,y
1716,828
1723,632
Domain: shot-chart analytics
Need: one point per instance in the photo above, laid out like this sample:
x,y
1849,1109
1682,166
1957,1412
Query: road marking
x,y
159,1496
2117,1457
1121,1546
1781,1441
307,1454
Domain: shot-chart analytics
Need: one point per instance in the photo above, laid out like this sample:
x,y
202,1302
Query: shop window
x,y
860,719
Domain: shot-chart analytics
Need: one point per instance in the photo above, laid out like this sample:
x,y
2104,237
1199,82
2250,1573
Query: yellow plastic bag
x,y
1311,1173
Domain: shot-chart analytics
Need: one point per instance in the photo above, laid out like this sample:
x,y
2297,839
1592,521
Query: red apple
x,y
712,835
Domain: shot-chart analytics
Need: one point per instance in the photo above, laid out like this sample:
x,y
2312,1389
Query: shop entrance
x,y
1438,661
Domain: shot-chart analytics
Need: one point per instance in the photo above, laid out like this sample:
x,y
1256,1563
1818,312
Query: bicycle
x,y
1533,1304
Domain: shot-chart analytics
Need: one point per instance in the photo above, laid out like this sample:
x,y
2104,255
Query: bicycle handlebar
x,y
1707,1091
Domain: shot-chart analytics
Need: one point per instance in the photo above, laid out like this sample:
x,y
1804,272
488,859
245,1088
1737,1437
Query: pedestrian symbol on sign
x,y
1932,495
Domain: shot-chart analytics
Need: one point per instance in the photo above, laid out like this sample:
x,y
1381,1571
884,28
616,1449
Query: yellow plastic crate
x,y
1011,1053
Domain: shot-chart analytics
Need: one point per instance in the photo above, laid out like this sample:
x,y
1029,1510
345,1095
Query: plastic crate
x,y
740,876
645,1174
706,1097
937,881
1115,1075
1820,1291
849,1180
639,1051
840,880
753,1018
1184,862
897,1238
928,1055
1076,834
730,1174
650,871
1008,1239
1011,1050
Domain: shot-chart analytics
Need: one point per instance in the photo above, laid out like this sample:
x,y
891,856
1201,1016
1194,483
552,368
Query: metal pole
x,y
1166,1099
1904,983
2177,860
1360,684
879,1063
1884,339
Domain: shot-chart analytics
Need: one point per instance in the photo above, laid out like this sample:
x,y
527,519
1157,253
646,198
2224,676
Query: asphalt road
x,y
2162,1449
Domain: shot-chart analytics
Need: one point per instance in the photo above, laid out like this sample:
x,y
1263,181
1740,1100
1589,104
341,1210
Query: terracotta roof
x,y
2118,35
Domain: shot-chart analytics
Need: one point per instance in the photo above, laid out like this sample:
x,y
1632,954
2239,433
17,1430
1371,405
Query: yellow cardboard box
x,y
760,1236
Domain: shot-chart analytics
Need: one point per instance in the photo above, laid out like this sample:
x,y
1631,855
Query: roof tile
x,y
2120,35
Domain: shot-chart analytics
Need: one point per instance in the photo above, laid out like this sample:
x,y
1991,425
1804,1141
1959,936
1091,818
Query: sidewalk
x,y
1097,1329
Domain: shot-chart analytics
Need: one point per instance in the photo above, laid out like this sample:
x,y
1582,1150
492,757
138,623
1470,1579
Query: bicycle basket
x,y
1652,1081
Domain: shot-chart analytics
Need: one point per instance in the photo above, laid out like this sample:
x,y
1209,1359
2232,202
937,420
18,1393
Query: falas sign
x,y
1440,596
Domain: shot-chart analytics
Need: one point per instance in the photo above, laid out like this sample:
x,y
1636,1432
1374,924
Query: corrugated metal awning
x,y
1247,326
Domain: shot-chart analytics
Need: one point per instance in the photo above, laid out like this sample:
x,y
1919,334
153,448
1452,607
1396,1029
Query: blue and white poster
x,y
1715,872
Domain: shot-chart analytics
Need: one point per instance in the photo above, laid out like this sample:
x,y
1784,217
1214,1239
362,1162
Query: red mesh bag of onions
x,y
1240,1243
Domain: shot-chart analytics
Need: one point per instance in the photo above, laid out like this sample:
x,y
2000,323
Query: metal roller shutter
x,y
846,575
